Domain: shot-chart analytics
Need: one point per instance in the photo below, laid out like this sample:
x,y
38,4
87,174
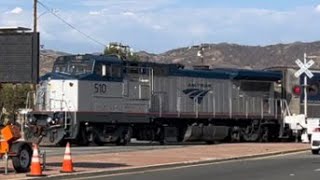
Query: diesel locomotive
x,y
104,99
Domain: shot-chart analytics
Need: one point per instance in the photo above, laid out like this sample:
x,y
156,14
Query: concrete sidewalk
x,y
127,161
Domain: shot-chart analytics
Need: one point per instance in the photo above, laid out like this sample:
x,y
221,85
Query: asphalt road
x,y
301,166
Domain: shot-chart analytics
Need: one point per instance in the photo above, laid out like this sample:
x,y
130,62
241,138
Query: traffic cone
x,y
67,166
35,163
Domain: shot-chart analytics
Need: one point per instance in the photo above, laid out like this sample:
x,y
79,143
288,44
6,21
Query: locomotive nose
x,y
45,128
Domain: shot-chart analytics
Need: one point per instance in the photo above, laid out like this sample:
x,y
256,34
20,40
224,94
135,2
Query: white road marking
x,y
278,155
178,167
317,170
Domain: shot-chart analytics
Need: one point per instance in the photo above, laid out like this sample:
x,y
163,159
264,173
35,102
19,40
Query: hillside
x,y
239,56
47,58
221,55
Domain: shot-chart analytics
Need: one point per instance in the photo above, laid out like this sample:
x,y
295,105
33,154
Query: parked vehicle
x,y
19,151
315,141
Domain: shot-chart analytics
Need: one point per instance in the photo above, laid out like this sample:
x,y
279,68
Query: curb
x,y
171,165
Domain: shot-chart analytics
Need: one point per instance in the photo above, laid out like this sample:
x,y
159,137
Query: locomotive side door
x,y
137,88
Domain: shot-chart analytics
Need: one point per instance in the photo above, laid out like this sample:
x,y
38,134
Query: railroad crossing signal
x,y
304,68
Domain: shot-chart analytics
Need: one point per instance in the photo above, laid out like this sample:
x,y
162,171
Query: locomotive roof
x,y
217,73
179,70
225,73
252,74
111,59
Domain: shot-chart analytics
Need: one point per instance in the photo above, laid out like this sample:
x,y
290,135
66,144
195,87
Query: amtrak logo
x,y
196,94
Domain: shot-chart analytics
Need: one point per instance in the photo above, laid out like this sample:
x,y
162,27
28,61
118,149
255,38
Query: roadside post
x,y
43,157
6,159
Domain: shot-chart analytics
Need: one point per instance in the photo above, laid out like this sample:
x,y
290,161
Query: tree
x,y
13,96
122,50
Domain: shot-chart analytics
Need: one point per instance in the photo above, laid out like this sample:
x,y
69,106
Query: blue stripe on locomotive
x,y
237,74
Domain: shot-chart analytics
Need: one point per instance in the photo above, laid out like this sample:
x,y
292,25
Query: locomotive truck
x,y
105,99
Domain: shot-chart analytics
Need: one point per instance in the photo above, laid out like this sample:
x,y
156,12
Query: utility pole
x,y
35,24
35,3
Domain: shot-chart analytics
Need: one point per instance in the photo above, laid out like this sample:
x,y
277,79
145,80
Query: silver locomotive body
x,y
103,99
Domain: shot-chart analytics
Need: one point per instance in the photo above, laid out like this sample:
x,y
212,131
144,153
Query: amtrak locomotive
x,y
104,99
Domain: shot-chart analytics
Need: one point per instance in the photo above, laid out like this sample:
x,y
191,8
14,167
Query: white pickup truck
x,y
315,141
311,127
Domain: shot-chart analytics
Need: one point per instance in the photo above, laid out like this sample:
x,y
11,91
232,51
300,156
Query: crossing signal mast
x,y
304,69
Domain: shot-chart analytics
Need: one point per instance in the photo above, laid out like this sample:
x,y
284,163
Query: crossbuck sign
x,y
304,68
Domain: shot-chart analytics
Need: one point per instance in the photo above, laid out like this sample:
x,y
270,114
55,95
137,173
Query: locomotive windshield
x,y
73,66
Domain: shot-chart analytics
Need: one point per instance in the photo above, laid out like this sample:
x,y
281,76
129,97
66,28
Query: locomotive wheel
x,y
82,139
251,135
163,142
97,141
126,137
265,135
22,161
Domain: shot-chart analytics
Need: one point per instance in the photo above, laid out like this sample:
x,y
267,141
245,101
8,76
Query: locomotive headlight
x,y
49,120
31,120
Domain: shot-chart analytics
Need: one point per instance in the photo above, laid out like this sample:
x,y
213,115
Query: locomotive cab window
x,y
103,70
108,70
116,71
73,66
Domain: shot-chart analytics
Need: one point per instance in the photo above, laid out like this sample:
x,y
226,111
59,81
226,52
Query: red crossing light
x,y
316,130
297,90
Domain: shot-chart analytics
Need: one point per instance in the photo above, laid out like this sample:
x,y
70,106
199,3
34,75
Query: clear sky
x,y
160,25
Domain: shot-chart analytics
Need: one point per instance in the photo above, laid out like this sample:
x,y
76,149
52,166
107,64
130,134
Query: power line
x,y
70,25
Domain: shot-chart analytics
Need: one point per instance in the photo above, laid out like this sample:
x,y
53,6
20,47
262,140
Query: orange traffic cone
x,y
35,163
67,166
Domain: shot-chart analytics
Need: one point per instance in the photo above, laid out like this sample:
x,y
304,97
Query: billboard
x,y
19,57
